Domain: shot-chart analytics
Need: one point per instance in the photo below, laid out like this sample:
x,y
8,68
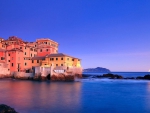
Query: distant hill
x,y
98,69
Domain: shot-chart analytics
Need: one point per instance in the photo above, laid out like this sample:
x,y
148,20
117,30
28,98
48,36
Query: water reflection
x,y
29,96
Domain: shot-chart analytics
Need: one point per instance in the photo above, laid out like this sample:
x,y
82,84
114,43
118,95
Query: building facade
x,y
21,56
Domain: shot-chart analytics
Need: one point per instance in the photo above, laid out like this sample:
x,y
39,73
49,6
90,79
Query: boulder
x,y
6,109
62,77
147,77
139,77
112,76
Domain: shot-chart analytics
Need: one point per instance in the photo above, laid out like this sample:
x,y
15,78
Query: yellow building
x,y
58,59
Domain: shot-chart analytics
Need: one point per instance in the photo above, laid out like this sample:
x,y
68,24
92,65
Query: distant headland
x,y
97,69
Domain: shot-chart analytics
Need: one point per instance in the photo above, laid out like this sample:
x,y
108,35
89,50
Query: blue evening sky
x,y
114,34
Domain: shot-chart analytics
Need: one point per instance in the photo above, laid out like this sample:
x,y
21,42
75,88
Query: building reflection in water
x,y
30,96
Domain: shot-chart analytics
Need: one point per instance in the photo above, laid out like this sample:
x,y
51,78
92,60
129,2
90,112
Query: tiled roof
x,y
59,55
38,58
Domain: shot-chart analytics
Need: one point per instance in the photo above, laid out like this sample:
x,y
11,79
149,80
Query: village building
x,y
17,55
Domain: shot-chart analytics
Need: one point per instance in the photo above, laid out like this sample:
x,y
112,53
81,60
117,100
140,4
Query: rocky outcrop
x,y
62,77
22,75
5,76
112,76
6,109
146,77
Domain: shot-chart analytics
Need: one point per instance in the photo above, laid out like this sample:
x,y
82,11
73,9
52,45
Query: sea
x,y
81,96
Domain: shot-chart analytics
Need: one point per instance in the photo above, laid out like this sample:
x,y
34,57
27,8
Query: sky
x,y
114,34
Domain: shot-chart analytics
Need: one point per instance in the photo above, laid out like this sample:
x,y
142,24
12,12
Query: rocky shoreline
x,y
38,77
115,76
72,77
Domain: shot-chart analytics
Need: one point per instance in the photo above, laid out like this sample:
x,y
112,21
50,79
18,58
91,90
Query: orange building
x,y
17,54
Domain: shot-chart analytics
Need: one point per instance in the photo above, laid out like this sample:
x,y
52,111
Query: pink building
x,y
17,54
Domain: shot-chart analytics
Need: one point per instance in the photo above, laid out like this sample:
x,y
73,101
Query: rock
x,y
6,109
78,75
147,77
139,77
112,76
119,77
108,75
62,77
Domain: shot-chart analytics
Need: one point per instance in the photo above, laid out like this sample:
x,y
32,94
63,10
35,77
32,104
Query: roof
x,y
15,49
38,58
59,55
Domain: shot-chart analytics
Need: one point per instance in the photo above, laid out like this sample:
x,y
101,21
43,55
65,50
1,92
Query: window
x,y
31,54
41,50
46,49
67,58
35,45
37,61
72,59
56,64
8,60
32,61
25,47
12,64
20,47
25,63
61,58
8,54
61,64
51,59
56,58
45,42
2,58
25,53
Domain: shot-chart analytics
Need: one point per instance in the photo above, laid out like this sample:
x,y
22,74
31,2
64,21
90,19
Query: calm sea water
x,y
81,96
124,74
